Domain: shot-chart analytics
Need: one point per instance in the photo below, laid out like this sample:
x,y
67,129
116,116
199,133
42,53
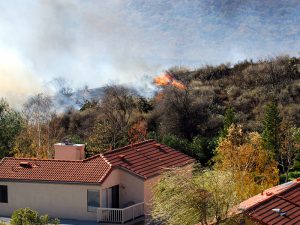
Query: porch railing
x,y
121,216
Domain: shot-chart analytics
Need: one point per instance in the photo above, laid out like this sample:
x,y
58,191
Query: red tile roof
x,y
91,170
264,195
288,201
147,159
144,159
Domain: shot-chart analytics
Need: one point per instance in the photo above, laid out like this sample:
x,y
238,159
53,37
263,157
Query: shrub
x,y
177,143
200,147
27,216
292,176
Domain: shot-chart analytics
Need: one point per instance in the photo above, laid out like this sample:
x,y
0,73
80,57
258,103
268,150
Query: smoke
x,y
92,42
17,80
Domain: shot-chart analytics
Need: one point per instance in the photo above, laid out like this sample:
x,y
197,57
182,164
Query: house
x,y
275,206
114,187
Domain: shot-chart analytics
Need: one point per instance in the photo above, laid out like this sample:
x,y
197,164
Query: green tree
x,y
271,128
289,150
201,149
11,124
27,216
229,119
177,143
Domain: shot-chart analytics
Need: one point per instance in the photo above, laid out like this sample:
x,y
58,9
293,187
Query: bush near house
x,y
27,216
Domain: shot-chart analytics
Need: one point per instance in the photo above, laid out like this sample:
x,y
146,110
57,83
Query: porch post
x,y
133,213
122,214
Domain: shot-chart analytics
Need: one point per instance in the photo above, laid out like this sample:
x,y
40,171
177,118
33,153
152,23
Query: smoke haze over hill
x,y
98,42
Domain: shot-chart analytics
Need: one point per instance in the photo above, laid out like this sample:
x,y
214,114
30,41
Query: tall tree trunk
x,y
286,175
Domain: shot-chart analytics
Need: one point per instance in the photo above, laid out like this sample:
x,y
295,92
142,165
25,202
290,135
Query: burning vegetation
x,y
168,80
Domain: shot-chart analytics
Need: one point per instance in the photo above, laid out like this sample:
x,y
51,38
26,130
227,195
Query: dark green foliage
x,y
74,139
201,149
292,176
271,125
229,119
297,164
177,143
152,135
198,148
27,216
11,124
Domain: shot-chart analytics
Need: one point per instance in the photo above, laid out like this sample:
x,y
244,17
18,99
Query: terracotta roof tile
x,y
91,170
144,159
288,201
265,195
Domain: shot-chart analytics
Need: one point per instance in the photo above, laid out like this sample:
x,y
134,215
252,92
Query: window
x,y
3,194
93,200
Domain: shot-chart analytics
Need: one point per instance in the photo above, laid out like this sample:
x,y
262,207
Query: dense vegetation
x,y
242,168
190,111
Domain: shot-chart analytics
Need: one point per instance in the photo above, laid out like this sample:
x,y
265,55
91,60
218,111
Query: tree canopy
x,y
11,124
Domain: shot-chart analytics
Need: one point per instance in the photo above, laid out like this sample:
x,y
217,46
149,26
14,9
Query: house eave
x,y
50,182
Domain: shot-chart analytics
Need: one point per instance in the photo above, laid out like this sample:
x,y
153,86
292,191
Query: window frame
x,y
3,188
92,208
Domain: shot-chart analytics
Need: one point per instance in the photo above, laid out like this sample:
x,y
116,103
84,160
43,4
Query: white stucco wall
x,y
56,200
70,200
131,187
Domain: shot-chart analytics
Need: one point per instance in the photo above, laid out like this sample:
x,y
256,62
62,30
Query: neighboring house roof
x,y
145,159
281,207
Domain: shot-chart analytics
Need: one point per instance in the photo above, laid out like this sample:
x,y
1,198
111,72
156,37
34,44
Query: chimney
x,y
68,151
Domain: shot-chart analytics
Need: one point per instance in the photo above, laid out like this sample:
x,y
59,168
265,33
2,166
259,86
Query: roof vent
x,y
279,212
122,157
25,164
157,145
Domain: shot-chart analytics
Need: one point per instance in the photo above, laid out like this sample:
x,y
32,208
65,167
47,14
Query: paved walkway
x,y
77,222
4,219
62,221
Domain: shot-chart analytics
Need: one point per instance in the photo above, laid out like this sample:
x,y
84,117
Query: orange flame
x,y
166,79
163,80
178,84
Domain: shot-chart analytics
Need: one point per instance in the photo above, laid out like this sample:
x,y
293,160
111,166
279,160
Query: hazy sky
x,y
94,42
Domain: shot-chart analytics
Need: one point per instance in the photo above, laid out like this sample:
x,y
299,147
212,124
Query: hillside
x,y
186,112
